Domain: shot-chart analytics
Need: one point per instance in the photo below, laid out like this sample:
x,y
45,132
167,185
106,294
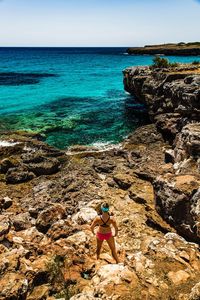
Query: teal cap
x,y
105,209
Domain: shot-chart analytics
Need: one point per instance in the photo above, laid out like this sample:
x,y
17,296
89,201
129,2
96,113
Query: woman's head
x,y
105,207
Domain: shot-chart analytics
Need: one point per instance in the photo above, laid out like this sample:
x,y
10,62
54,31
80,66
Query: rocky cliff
x,y
180,49
172,97
151,180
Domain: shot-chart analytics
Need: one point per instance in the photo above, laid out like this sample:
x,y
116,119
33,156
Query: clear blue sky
x,y
98,22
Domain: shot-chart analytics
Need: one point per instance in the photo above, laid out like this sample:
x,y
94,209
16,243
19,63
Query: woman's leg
x,y
111,243
99,244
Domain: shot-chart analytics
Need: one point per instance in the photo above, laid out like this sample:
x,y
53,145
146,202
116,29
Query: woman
x,y
104,230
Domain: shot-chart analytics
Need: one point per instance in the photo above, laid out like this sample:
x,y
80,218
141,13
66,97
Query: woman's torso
x,y
104,224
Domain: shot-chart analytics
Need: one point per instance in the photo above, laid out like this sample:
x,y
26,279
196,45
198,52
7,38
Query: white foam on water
x,y
101,144
100,147
8,144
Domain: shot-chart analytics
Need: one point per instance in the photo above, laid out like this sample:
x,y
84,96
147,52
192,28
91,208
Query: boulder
x,y
105,166
141,191
49,216
6,202
7,163
85,296
195,292
178,277
177,200
62,229
18,175
78,238
124,181
5,226
112,275
39,293
85,215
30,235
45,166
22,221
13,286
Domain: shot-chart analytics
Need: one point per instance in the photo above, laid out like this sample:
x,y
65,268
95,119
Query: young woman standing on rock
x,y
104,221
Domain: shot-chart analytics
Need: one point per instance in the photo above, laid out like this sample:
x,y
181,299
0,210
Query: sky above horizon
x,y
98,22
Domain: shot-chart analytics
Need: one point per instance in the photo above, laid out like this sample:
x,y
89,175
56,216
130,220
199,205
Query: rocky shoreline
x,y
181,49
172,97
48,198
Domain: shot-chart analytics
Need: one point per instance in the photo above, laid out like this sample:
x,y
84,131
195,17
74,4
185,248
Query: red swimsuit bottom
x,y
104,236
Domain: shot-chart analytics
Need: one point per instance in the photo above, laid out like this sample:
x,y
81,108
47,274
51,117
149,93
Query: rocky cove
x,y
151,180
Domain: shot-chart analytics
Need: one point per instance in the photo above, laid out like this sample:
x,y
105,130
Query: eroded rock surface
x,y
47,250
172,98
151,181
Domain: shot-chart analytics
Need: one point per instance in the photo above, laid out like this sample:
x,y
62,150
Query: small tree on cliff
x,y
160,62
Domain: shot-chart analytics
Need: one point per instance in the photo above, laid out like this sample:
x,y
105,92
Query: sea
x,y
70,95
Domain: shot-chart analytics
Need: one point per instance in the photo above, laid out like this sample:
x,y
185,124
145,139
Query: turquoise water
x,y
71,95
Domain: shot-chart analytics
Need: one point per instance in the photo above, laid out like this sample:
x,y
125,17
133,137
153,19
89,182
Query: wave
x,y
93,148
8,144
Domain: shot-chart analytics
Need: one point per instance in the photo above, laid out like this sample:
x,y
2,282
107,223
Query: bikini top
x,y
105,223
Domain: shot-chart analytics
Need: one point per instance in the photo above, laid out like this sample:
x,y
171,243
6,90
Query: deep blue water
x,y
71,95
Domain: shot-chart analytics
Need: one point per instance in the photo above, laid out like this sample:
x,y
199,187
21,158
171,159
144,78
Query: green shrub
x,y
160,62
66,289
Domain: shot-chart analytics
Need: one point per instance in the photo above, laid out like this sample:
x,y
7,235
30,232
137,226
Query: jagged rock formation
x,y
151,180
167,49
46,248
172,97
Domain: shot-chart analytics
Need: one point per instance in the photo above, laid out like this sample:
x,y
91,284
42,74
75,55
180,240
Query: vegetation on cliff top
x,y
168,49
161,62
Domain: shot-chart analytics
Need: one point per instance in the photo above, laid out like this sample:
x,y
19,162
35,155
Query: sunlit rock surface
x,y
151,181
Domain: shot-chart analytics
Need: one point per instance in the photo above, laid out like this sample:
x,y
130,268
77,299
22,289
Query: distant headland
x,y
168,49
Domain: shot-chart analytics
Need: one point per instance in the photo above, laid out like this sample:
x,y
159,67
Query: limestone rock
x,y
146,244
85,215
195,292
124,181
85,296
172,94
39,293
7,163
104,166
62,229
141,191
178,277
18,175
13,286
5,226
178,203
49,216
114,274
6,202
78,238
47,166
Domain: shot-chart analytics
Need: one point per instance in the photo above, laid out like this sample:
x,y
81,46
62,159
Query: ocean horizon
x,y
71,95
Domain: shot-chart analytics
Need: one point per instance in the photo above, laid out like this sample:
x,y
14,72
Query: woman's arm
x,y
94,224
115,226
